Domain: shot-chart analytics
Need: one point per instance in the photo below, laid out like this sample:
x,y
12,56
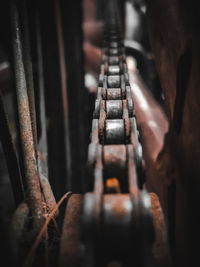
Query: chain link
x,y
117,201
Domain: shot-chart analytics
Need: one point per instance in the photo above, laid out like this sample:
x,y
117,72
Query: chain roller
x,y
117,203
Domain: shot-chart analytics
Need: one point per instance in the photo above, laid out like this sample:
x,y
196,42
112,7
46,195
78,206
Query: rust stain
x,y
160,246
112,185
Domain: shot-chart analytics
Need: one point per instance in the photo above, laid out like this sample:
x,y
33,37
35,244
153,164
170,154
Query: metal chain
x,y
118,203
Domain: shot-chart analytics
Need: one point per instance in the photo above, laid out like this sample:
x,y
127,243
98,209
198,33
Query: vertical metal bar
x,y
56,131
42,139
71,14
28,68
26,134
63,74
42,142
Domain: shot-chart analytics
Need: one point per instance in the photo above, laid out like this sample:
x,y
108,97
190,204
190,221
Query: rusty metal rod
x,y
27,61
42,142
30,162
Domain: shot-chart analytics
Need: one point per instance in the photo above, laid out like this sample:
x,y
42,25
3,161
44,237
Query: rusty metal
x,y
177,56
41,160
160,246
27,62
41,147
70,240
153,124
118,218
113,223
47,194
114,159
26,134
54,114
42,151
115,154
114,93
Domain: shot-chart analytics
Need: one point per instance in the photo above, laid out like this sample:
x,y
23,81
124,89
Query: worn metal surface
x,y
114,131
118,220
114,223
48,195
42,151
113,109
27,62
160,246
114,159
69,254
26,134
177,62
116,227
153,125
51,79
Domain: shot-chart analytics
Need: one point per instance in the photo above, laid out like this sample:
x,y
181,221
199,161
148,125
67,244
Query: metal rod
x,y
71,15
63,73
26,134
42,142
25,38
